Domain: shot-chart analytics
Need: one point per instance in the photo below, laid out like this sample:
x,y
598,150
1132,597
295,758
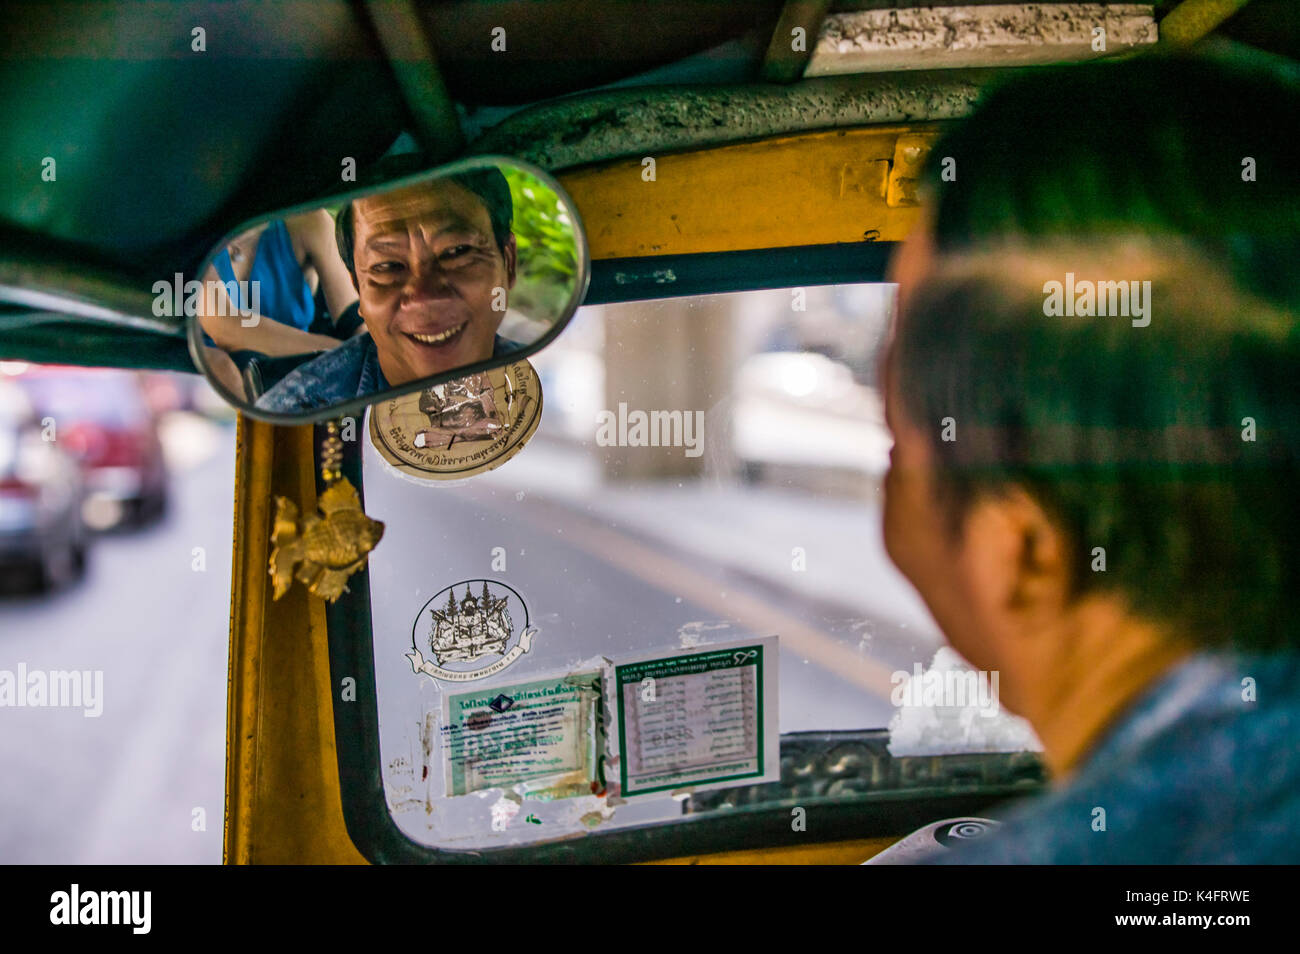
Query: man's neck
x,y
1089,670
396,377
391,377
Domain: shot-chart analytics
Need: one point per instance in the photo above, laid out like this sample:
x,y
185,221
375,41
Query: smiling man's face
x,y
429,273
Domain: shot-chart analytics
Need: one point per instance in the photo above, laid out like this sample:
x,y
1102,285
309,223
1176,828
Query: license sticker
x,y
542,738
707,717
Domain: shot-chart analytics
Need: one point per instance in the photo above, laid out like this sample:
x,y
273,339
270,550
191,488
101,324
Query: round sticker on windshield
x,y
469,630
460,428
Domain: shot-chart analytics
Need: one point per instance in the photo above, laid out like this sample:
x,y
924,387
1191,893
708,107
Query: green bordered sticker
x,y
705,718
543,737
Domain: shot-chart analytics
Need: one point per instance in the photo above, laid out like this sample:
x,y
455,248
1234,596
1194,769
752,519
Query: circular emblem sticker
x,y
460,428
470,630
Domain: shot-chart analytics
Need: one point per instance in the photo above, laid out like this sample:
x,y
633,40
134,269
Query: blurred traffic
x,y
43,537
82,453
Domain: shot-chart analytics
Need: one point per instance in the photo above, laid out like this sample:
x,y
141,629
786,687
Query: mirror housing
x,y
320,310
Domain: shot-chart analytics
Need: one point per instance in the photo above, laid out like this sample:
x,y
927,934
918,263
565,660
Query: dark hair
x,y
488,184
1132,439
1175,447
1157,145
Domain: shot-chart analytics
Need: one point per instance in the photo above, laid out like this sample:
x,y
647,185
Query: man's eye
x,y
456,251
385,267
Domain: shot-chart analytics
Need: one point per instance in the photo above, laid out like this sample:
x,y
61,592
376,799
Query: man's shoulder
x,y
324,380
1201,772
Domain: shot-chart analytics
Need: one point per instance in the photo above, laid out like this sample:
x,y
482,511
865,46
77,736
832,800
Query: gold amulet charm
x,y
322,551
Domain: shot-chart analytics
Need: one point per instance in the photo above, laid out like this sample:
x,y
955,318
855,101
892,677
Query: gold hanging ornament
x,y
328,549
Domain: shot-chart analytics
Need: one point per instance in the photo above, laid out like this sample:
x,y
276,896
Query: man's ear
x,y
511,251
1042,579
1014,558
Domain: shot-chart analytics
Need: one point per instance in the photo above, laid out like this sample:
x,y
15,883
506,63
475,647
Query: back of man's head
x,y
1170,441
1172,446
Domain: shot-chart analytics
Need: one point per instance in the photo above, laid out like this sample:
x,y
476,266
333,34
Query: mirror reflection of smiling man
x,y
432,277
433,264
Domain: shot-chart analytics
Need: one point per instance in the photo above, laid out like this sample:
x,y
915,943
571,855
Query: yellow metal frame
x,y
283,804
810,189
283,801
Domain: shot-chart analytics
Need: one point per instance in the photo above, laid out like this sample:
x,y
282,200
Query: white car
x,y
42,537
802,410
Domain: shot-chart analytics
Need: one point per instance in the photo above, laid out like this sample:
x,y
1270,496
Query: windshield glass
x,y
706,474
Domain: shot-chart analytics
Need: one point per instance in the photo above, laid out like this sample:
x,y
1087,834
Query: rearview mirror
x,y
317,311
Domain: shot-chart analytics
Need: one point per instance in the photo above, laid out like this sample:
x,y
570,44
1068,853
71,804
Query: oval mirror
x,y
321,310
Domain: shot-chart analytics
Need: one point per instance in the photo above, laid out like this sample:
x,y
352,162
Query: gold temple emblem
x,y
475,627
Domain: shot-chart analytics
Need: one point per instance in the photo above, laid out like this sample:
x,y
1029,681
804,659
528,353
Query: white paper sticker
x,y
704,718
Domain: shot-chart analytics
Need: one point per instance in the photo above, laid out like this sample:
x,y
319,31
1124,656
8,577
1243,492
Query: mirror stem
x,y
415,65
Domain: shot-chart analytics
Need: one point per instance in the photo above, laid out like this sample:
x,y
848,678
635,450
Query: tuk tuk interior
x,y
777,166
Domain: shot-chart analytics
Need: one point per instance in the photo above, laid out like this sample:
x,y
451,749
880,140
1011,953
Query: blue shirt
x,y
1194,772
347,372
283,292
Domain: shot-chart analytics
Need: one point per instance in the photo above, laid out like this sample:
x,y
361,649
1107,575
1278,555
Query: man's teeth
x,y
438,338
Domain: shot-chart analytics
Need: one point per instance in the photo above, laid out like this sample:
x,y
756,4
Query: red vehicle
x,y
103,418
